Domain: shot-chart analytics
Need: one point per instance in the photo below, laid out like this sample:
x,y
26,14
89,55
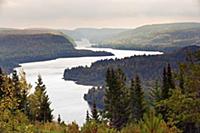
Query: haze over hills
x,y
94,35
156,37
19,46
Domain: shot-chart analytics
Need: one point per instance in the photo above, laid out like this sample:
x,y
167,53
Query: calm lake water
x,y
67,96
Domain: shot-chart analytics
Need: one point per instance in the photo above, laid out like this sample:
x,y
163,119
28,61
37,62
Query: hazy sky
x,y
95,13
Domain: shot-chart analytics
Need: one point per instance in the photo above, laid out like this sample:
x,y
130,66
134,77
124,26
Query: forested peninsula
x,y
147,67
29,45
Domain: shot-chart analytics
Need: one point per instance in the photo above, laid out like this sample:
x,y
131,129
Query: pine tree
x,y
137,106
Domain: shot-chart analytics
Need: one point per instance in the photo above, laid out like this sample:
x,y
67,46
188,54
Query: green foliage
x,y
12,118
94,127
14,122
154,124
50,127
183,109
73,128
150,124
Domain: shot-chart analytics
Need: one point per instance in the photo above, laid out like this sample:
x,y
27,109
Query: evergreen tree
x,y
59,119
165,87
24,90
1,83
87,117
19,93
181,79
155,94
40,104
15,80
137,107
95,115
116,104
168,82
170,79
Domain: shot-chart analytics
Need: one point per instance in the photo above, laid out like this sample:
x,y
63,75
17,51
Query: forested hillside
x,y
18,46
147,67
163,37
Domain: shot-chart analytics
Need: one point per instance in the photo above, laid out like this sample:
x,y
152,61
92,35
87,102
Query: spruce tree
x,y
181,80
1,83
40,104
116,98
168,82
155,94
137,106
170,79
59,119
15,80
87,117
95,115
165,87
24,90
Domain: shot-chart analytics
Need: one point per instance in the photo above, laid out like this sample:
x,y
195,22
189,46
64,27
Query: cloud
x,y
60,13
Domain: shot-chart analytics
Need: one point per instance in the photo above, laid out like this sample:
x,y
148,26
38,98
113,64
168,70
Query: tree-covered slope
x,y
147,67
156,37
18,46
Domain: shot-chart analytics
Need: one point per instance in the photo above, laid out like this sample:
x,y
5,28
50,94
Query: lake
x,y
67,96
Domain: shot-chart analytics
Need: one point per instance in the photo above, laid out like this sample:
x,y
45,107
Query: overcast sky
x,y
95,13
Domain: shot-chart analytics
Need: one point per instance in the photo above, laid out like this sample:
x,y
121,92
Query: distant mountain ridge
x,y
156,37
